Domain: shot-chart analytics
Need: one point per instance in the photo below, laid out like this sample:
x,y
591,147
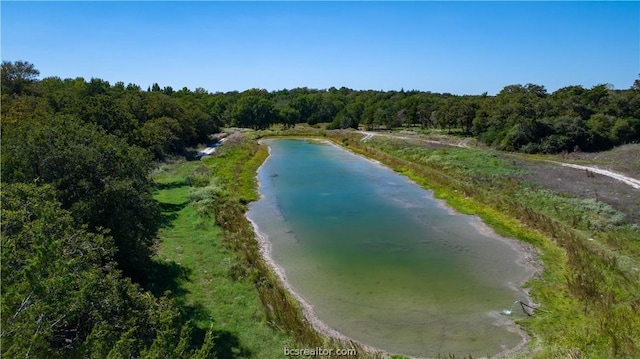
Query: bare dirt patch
x,y
584,184
624,159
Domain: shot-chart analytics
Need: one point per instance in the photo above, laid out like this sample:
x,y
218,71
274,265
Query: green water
x,y
380,260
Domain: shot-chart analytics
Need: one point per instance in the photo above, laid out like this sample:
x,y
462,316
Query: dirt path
x,y
635,183
628,180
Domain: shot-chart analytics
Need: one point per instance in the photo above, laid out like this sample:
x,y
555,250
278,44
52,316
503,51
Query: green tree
x,y
626,130
198,122
159,105
600,127
111,115
18,77
98,177
254,109
575,133
161,136
62,296
24,108
324,108
289,116
449,114
569,101
303,105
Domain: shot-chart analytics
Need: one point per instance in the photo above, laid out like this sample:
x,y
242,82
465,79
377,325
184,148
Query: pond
x,y
380,260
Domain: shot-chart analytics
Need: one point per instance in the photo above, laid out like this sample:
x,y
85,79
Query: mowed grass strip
x,y
195,266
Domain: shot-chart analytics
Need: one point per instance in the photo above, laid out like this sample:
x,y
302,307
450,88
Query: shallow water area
x,y
381,261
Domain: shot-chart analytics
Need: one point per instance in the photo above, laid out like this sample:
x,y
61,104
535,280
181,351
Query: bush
x,y
200,177
626,130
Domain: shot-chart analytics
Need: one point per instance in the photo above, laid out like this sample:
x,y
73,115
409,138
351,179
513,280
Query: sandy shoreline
x,y
527,257
308,311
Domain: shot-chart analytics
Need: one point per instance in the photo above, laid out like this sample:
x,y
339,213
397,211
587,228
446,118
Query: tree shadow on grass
x,y
226,345
171,185
170,213
168,278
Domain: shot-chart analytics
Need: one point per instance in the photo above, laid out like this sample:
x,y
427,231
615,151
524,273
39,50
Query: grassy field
x,y
201,271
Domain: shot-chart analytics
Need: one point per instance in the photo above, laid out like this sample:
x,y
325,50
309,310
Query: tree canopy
x,y
520,117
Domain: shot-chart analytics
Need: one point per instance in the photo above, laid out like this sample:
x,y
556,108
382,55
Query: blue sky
x,y
456,47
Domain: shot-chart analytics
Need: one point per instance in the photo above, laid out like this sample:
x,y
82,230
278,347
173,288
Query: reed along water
x,y
380,260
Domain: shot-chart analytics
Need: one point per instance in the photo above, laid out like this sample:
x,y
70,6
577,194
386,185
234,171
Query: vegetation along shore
x,y
118,242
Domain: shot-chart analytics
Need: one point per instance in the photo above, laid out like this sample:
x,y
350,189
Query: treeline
x,y
79,223
519,118
164,122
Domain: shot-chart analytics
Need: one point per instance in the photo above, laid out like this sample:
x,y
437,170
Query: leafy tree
x,y
600,127
626,130
159,105
98,177
524,135
254,109
289,116
111,115
24,108
425,112
61,294
97,86
167,121
569,101
384,115
575,133
49,267
597,97
449,114
57,94
537,90
168,90
133,102
349,117
303,105
324,108
161,136
198,122
18,77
